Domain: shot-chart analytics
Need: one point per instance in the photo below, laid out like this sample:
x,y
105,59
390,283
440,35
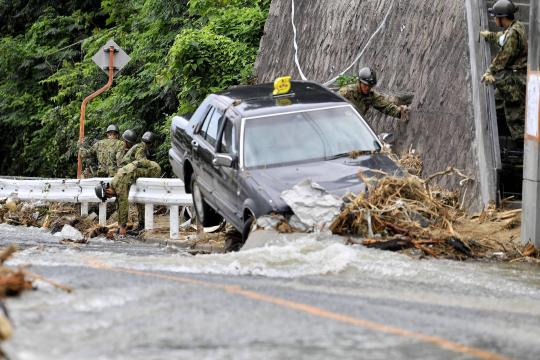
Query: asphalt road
x,y
307,300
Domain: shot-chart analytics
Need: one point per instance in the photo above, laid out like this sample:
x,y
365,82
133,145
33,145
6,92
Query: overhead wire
x,y
296,44
381,26
331,81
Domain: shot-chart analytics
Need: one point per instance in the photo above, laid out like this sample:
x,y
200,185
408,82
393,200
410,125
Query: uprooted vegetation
x,y
51,216
407,214
54,216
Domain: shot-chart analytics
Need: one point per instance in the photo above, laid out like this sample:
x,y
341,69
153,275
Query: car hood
x,y
337,176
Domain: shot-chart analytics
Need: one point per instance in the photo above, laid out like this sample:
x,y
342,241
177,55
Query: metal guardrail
x,y
147,191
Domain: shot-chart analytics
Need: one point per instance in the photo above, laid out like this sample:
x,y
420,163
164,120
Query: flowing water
x,y
309,264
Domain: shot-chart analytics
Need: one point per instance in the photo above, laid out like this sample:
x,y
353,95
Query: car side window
x,y
206,121
212,129
227,144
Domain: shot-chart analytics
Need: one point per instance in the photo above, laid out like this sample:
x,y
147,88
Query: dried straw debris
x,y
411,162
408,214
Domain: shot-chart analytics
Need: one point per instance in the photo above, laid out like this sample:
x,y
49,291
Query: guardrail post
x,y
103,213
84,209
149,216
174,225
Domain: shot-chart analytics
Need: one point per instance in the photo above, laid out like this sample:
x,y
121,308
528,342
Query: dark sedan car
x,y
243,147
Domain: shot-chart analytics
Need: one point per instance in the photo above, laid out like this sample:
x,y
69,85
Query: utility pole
x,y
530,228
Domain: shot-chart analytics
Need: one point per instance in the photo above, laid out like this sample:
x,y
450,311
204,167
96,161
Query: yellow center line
x,y
309,309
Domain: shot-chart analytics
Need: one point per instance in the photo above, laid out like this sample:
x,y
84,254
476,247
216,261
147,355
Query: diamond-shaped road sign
x,y
101,58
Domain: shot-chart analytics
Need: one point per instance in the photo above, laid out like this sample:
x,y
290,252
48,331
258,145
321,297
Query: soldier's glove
x,y
404,111
488,78
484,34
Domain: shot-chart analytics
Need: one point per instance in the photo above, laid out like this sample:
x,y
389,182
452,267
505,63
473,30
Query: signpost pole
x,y
86,100
530,228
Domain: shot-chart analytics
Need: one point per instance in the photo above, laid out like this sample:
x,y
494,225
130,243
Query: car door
x,y
227,193
204,145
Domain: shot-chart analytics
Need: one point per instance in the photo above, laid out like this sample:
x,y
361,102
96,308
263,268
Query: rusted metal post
x,y
87,100
530,228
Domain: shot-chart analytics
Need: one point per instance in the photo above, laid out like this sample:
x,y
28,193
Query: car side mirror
x,y
387,138
224,160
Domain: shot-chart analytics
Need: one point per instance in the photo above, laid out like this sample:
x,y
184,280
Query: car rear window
x,y
305,136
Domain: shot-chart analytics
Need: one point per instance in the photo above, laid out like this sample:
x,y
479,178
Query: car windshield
x,y
305,136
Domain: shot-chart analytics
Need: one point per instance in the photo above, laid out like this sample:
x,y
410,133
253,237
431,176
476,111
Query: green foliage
x,y
344,80
180,52
244,25
206,7
202,62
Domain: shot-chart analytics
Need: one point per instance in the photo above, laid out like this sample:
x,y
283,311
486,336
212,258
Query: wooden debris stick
x,y
48,281
6,253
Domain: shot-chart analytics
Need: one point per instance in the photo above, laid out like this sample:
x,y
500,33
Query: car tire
x,y
234,242
205,214
247,228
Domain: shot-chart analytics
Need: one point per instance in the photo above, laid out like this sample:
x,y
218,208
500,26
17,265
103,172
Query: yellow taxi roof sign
x,y
282,85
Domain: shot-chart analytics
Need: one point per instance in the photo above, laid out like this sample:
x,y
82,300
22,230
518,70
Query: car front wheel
x,y
235,241
205,214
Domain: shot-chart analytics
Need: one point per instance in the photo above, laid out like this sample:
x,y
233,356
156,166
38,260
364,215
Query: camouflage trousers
x,y
511,91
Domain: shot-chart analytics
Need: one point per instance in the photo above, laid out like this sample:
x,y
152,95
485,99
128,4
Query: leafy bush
x,y
180,51
202,62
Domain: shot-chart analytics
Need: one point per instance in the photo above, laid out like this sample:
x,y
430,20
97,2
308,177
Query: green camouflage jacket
x,y
126,176
514,49
137,152
104,157
374,99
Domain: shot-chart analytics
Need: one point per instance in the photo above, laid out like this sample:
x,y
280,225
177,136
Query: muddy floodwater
x,y
144,301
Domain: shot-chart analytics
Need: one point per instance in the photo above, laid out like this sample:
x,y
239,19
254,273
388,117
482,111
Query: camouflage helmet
x,y
148,137
113,128
130,136
503,8
367,76
100,190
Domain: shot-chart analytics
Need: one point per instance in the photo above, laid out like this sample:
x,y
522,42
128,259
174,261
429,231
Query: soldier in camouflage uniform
x,y
363,96
120,185
104,157
130,138
142,150
508,70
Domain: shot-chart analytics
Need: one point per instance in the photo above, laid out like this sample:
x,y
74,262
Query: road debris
x,y
12,283
412,162
312,204
69,233
407,214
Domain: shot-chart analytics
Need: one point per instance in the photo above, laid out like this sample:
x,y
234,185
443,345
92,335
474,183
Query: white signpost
x,y
111,59
101,58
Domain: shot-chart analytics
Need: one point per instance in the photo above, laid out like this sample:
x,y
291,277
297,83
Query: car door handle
x,y
194,144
